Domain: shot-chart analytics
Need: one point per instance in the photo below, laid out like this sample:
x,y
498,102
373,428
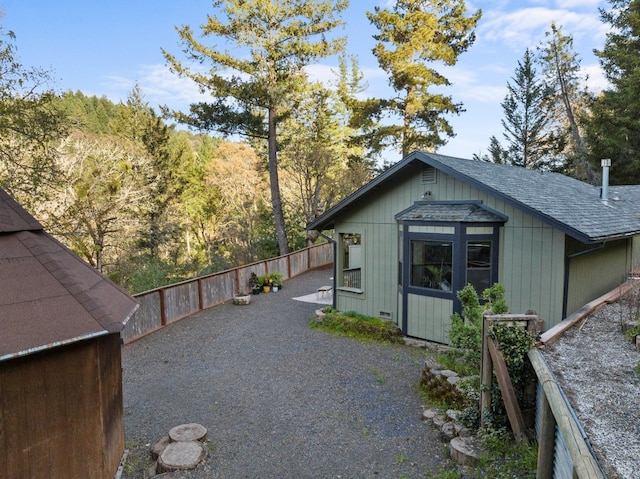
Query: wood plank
x,y
39,434
508,393
546,440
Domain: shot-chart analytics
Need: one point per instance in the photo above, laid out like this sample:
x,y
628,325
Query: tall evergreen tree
x,y
413,34
527,119
139,124
568,101
613,130
274,40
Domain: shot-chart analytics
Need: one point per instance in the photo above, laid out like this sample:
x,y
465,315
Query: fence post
x,y
163,313
546,439
486,373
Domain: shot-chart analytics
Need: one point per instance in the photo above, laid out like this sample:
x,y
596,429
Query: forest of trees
x,y
149,197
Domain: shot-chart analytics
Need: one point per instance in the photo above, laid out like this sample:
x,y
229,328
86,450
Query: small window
x,y
352,261
432,264
479,265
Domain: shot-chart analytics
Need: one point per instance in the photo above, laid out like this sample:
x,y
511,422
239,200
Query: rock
x,y
429,413
188,432
464,450
453,414
448,373
453,379
181,455
448,431
159,446
417,343
439,420
431,364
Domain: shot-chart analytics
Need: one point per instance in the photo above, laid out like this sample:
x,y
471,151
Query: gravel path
x,y
279,400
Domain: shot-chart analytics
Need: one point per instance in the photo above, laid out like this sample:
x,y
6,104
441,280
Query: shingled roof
x,y
570,205
49,296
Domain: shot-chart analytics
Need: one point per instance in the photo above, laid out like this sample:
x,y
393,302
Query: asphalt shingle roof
x,y
568,204
449,212
49,296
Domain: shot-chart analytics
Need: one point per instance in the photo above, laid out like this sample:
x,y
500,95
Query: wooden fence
x,y
162,306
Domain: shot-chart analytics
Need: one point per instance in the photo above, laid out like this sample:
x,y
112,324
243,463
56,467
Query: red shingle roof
x,y
49,296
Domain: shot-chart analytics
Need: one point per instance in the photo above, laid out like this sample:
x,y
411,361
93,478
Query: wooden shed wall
x,y
531,252
61,412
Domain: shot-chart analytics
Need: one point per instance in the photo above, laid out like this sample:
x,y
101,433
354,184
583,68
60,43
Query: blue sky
x,y
103,47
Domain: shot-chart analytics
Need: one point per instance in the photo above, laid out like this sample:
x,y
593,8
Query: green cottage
x,y
406,242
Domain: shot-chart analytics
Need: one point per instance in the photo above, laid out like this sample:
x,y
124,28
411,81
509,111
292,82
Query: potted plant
x,y
276,280
254,283
242,298
265,281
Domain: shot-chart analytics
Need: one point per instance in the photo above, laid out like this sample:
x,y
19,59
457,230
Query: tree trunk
x,y
276,201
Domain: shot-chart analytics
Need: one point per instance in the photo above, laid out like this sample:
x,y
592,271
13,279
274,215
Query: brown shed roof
x,y
49,296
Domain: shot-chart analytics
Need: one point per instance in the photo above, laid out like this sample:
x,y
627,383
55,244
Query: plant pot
x,y
275,288
242,299
256,290
266,289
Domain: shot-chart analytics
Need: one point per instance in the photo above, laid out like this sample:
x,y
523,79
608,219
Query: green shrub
x,y
465,333
514,343
358,326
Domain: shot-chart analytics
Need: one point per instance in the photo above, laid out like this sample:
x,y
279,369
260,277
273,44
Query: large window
x,y
352,261
479,265
432,264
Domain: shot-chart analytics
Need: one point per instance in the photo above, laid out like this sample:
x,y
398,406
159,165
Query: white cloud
x,y
159,87
524,28
596,81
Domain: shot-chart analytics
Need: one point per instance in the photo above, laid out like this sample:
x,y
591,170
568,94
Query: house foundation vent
x,y
385,314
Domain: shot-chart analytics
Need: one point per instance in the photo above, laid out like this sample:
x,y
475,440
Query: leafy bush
x,y
466,330
514,343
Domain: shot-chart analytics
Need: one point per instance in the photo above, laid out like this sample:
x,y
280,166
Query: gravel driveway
x,y
279,400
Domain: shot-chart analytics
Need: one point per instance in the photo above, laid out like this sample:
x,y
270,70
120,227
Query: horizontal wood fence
x,y
162,306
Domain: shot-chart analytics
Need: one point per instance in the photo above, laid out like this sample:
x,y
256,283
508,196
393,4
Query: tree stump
x,y
465,451
188,432
180,456
159,446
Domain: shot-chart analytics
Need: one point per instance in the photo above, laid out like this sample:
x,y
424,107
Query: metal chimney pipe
x,y
604,195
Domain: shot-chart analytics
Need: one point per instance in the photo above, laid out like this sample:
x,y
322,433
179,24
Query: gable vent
x,y
428,175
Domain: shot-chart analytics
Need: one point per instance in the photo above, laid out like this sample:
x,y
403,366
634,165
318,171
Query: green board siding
x,y
532,269
594,274
429,318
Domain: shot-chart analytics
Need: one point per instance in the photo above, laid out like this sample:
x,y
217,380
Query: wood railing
x,y
162,306
562,449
